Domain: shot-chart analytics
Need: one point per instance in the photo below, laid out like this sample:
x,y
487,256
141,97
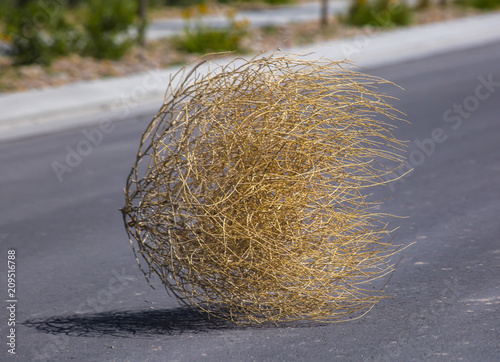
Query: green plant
x,y
278,2
36,33
381,13
108,28
270,29
480,4
176,3
423,4
270,2
203,39
200,38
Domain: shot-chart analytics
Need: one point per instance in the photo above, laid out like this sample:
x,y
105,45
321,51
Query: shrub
x,y
278,2
178,3
270,2
203,39
481,4
382,13
200,38
37,33
108,28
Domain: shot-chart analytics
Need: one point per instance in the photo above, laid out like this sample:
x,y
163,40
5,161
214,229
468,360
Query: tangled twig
x,y
248,195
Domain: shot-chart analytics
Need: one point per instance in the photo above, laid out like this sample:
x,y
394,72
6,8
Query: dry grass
x,y
248,196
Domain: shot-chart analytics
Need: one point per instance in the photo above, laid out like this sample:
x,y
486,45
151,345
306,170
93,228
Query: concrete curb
x,y
32,113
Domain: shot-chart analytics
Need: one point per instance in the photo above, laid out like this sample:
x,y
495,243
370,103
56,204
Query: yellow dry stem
x,y
247,198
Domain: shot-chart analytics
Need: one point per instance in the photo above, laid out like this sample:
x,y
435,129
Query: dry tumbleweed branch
x,y
248,195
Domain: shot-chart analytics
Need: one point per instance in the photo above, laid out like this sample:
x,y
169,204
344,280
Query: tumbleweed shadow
x,y
144,323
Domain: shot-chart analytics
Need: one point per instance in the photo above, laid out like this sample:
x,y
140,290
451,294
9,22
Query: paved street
x,y
82,297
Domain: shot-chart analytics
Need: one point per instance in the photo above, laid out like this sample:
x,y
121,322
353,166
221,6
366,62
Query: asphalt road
x,y
80,295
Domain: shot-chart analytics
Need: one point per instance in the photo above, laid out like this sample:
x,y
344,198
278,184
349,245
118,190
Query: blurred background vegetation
x,y
39,31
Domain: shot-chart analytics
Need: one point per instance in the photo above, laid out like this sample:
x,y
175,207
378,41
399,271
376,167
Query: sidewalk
x,y
296,13
83,104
